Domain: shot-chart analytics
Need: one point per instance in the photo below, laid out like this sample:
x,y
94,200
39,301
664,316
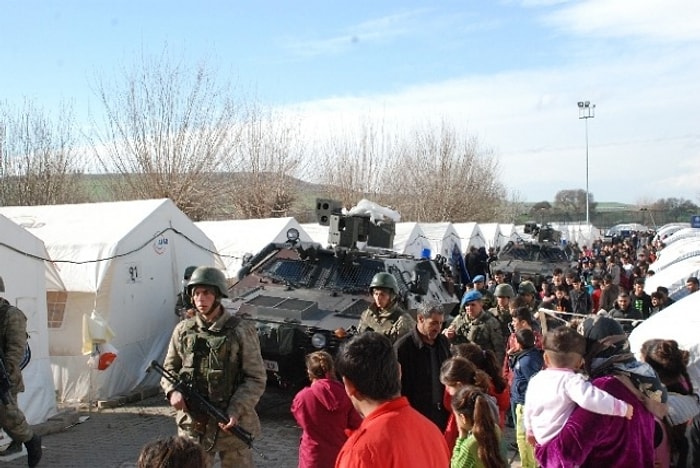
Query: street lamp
x,y
586,111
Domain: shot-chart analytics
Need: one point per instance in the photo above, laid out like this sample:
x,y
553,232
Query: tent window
x,y
56,308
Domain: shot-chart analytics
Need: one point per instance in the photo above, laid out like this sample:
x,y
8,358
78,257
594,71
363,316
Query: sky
x,y
508,72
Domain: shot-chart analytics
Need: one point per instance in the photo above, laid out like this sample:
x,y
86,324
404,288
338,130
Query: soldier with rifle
x,y
13,342
218,356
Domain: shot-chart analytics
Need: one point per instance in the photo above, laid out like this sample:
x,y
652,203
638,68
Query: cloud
x,y
648,20
377,30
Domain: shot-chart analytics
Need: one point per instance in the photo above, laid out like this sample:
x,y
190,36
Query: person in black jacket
x,y
421,352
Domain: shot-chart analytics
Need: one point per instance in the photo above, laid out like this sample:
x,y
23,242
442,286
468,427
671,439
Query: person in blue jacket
x,y
525,363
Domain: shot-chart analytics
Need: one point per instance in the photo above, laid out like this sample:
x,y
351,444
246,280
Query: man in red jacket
x,y
392,434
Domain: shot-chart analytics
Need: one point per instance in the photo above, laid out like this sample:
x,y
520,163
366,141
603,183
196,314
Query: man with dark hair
x,y
640,299
392,434
625,311
692,284
609,294
665,299
581,302
421,352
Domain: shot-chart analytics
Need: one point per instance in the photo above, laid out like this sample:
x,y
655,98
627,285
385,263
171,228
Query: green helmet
x,y
208,276
526,287
384,280
504,290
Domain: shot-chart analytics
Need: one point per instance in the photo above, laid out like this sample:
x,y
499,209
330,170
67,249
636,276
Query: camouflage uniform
x,y
485,330
224,361
504,318
13,341
392,322
488,299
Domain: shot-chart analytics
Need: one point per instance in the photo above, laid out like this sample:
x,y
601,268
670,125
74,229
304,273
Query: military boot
x,y
33,450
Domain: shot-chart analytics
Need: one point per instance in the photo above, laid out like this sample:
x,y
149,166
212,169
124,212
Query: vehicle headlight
x,y
318,340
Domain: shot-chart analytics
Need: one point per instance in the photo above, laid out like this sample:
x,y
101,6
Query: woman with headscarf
x,y
593,440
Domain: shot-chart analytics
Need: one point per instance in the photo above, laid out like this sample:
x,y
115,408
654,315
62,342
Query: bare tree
x,y
269,155
355,165
168,131
440,176
39,163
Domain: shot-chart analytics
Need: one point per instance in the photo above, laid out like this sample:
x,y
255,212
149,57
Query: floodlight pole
x,y
586,111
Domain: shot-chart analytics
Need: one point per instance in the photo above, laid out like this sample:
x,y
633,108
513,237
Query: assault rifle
x,y
5,384
199,405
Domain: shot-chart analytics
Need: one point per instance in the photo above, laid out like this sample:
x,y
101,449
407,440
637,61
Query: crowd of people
x,y
548,357
575,393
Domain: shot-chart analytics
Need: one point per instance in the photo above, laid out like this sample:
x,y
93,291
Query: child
x,y
323,411
455,373
525,363
553,394
479,442
485,360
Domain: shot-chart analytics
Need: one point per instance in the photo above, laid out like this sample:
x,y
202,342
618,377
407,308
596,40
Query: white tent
x,y
681,322
235,238
676,252
673,277
27,277
491,232
470,235
318,233
123,260
668,229
682,234
410,239
443,239
508,234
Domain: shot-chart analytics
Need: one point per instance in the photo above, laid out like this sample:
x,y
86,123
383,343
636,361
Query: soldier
x,y
476,325
13,342
385,315
503,293
183,304
528,292
488,299
220,354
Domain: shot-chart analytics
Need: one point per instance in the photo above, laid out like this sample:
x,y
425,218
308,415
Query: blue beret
x,y
479,279
471,296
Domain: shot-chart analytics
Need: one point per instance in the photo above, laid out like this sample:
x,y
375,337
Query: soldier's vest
x,y
207,360
386,326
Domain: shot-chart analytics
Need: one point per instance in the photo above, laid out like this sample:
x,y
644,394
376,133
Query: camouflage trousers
x,y
12,420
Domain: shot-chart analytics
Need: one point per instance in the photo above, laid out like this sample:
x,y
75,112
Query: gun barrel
x,y
199,403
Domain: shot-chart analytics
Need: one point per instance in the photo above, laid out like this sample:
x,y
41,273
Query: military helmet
x,y
208,276
384,280
504,290
188,272
526,287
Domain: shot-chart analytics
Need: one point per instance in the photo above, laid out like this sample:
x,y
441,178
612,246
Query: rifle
x,y
5,384
198,404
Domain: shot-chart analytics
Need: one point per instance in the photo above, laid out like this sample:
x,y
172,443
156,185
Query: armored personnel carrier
x,y
534,257
305,297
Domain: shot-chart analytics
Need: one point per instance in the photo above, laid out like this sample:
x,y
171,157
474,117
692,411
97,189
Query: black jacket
x,y
420,374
